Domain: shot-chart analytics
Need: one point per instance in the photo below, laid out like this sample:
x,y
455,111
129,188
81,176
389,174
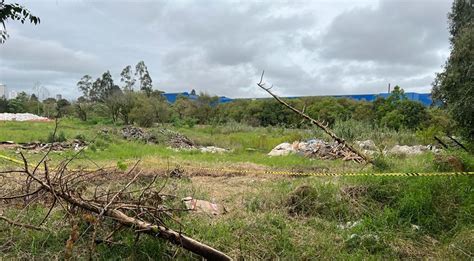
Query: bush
x,y
318,201
61,137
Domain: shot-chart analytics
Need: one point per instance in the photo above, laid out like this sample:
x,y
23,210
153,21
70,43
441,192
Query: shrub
x,y
321,201
61,137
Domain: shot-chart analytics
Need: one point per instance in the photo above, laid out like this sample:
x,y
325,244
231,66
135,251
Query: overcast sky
x,y
318,47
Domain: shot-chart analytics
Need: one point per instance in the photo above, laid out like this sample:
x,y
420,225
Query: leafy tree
x,y
49,107
183,107
144,78
62,107
127,103
114,102
3,104
82,107
85,86
127,78
14,12
454,86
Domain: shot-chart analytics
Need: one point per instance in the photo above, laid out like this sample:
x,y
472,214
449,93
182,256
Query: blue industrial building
x,y
171,97
424,98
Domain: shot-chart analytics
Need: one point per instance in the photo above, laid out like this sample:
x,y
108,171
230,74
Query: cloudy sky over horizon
x,y
318,47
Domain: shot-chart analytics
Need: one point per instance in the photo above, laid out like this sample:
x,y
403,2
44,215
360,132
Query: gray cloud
x,y
395,32
220,47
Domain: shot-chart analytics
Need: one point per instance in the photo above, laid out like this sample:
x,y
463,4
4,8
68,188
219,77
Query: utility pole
x,y
388,88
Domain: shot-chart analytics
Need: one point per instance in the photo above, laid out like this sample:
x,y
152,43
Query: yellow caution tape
x,y
302,173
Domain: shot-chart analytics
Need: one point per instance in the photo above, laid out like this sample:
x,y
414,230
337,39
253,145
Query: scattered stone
x,y
349,224
408,150
21,117
202,206
213,149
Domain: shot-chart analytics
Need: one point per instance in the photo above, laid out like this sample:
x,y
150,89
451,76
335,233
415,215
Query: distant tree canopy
x,y
454,87
14,12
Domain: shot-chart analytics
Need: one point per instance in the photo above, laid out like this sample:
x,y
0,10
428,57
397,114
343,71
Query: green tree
x,y
126,76
14,12
454,86
82,107
144,78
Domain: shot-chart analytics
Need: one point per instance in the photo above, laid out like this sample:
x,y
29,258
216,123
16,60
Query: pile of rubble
x,y
41,147
177,141
171,138
135,133
21,117
316,148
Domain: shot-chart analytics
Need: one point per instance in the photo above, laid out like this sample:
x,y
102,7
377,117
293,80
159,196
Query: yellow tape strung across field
x,y
317,174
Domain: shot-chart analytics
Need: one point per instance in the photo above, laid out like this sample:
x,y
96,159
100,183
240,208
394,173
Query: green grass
x,y
262,222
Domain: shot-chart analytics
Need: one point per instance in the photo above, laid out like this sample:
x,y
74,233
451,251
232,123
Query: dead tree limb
x,y
18,224
62,187
321,125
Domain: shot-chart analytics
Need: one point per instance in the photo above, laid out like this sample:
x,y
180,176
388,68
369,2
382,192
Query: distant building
x,y
13,94
171,97
3,90
424,98
59,97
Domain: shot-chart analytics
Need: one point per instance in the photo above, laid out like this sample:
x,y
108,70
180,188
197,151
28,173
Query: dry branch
x,y
321,125
67,187
18,224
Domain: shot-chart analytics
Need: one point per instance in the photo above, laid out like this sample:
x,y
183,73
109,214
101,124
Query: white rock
x,y
366,144
282,149
408,150
212,149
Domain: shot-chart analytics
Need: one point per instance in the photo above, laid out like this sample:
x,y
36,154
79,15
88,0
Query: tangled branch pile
x,y
79,191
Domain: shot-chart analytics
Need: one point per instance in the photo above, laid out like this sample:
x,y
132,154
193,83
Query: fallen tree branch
x,y
18,224
61,186
321,125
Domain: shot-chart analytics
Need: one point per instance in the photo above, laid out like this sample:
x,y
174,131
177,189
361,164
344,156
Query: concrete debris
x,y
213,149
415,227
55,146
349,224
21,117
366,145
39,146
135,133
177,141
316,148
408,150
282,150
202,206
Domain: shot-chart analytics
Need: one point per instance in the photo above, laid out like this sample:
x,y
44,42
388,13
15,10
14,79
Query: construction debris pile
x,y
134,133
37,146
177,141
171,138
316,148
21,117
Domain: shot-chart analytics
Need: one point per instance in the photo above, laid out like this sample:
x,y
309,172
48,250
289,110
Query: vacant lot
x,y
268,216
